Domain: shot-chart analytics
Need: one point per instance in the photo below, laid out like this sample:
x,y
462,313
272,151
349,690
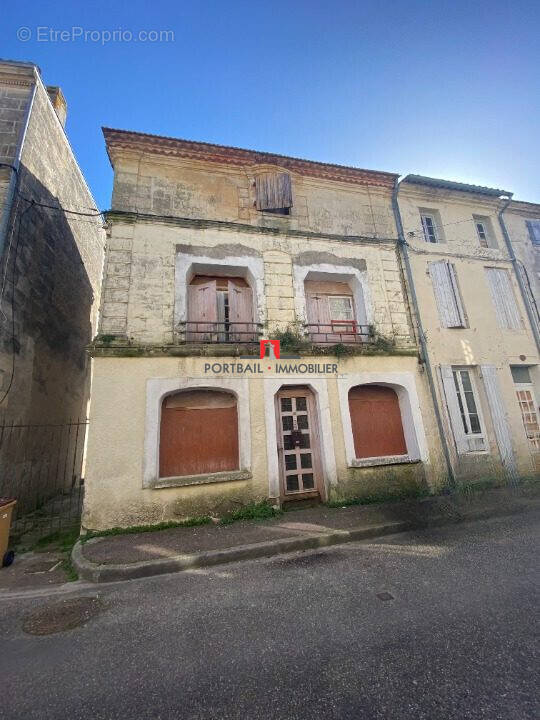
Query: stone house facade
x,y
212,250
475,319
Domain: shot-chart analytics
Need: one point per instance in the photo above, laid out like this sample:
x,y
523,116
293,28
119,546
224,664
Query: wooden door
x,y
298,443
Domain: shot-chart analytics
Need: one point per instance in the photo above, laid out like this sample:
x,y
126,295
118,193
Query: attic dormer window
x,y
273,193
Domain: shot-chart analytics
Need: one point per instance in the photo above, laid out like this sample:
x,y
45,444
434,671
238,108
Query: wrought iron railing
x,y
337,332
195,331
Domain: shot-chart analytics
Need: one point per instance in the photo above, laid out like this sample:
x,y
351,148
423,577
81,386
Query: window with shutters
x,y
484,231
376,422
504,300
431,225
331,315
447,294
533,226
527,405
198,433
273,193
220,310
464,409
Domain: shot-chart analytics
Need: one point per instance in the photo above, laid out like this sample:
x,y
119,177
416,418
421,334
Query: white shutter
x,y
504,299
454,413
447,296
500,423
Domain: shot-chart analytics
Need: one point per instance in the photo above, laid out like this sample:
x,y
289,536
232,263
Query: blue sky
x,y
447,89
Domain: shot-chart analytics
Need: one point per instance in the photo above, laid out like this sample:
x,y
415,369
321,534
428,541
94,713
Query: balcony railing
x,y
338,332
194,331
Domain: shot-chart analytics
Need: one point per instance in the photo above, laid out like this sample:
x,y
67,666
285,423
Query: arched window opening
x,y
376,422
220,310
198,433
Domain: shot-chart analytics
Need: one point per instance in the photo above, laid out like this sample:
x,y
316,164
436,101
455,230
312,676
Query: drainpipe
x,y
532,319
404,250
6,212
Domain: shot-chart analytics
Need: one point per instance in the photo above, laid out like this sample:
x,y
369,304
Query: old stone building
x,y
476,321
212,249
51,260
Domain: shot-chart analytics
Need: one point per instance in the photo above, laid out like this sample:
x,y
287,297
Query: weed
x,y
191,522
255,511
380,497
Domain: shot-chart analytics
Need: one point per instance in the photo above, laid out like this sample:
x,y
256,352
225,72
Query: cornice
x,y
122,140
127,216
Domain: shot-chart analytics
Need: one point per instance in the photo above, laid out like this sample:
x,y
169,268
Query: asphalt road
x,y
302,636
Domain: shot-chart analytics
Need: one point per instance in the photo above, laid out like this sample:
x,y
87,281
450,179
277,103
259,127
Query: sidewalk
x,y
122,557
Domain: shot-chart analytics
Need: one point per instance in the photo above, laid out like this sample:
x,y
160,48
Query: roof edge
x,y
454,185
229,153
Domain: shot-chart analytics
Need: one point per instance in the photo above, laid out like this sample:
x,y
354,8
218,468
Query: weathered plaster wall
x,y
115,492
140,278
190,189
53,266
483,342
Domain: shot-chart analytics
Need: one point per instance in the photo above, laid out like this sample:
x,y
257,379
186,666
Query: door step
x,y
300,503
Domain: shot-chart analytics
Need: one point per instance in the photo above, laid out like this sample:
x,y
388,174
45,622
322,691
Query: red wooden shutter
x,y
376,422
202,310
241,313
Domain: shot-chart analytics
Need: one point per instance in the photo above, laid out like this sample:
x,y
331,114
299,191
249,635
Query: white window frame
x,y
528,387
457,309
468,433
434,226
488,241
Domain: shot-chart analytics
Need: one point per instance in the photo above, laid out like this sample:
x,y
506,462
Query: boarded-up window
x,y
198,433
376,422
444,279
504,299
273,192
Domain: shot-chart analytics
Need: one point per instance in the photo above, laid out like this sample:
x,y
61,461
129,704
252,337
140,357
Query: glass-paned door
x,y
297,444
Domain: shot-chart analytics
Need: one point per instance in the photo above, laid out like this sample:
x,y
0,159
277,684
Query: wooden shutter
x,y
504,299
273,191
443,277
318,315
456,421
241,311
376,422
500,422
202,310
198,434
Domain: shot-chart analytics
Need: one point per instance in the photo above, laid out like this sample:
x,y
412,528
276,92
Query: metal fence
x,y
41,467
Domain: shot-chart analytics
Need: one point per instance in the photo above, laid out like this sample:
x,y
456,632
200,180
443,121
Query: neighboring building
x,y
522,220
479,338
51,260
212,249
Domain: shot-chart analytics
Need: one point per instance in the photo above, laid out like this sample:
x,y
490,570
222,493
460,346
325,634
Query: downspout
x,y
532,320
404,250
6,212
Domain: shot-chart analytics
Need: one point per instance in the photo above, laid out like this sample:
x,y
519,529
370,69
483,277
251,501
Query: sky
x,y
445,89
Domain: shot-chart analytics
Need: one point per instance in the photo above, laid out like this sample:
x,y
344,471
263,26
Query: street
x,y
432,624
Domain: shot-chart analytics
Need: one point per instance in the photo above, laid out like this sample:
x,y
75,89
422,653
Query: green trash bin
x,y
6,510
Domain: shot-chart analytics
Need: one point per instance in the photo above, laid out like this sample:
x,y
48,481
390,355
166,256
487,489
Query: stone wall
x,y
53,264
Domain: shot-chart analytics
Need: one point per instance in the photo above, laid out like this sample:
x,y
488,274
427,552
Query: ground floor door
x,y
298,444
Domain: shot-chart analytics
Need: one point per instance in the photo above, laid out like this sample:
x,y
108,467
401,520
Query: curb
x,y
129,571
